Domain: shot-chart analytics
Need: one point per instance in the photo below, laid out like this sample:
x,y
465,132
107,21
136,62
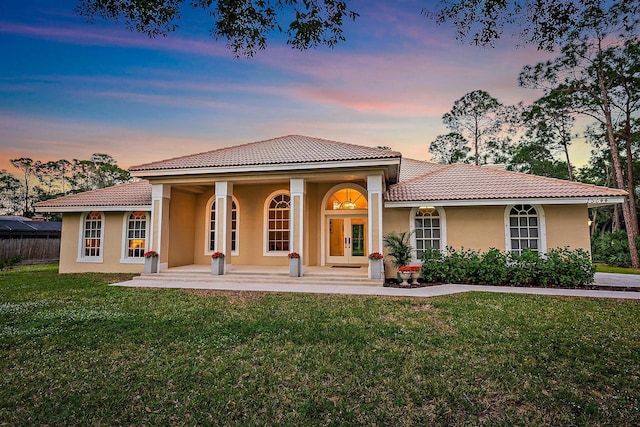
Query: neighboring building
x,y
34,240
329,201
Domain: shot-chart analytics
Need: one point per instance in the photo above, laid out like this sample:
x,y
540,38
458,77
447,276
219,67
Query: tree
x,y
10,200
582,30
529,156
26,165
479,118
245,24
549,123
100,171
450,148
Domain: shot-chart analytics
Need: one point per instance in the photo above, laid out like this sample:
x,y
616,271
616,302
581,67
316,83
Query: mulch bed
x,y
391,283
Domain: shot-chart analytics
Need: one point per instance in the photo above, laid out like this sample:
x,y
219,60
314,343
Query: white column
x,y
159,230
224,194
375,187
298,190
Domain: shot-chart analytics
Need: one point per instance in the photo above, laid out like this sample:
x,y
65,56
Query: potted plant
x,y
408,272
217,263
399,247
150,262
294,264
376,266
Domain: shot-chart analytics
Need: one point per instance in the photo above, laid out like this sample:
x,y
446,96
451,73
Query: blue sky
x,y
69,88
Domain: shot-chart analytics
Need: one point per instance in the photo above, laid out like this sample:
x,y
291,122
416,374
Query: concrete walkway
x,y
618,280
429,291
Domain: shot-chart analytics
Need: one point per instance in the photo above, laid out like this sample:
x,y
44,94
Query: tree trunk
x,y
615,218
570,169
617,167
633,225
594,222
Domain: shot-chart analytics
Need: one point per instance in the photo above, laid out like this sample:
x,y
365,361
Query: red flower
x,y
375,255
150,254
409,268
217,255
293,255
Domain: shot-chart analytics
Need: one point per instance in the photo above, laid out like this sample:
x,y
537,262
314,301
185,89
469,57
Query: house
x,y
34,239
329,201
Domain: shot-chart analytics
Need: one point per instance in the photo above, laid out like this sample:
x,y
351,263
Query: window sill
x,y
95,260
131,260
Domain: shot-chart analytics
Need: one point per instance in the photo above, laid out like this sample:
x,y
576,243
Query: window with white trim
x,y
278,211
234,226
427,230
136,238
92,235
524,229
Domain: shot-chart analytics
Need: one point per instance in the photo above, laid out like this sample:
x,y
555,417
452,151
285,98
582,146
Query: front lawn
x,y
75,351
603,268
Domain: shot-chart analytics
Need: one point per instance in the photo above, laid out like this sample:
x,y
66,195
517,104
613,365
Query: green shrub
x,y
567,268
492,269
560,267
10,261
525,268
431,270
612,248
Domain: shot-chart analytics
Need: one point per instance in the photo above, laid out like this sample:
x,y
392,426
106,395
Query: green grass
x,y
75,351
603,268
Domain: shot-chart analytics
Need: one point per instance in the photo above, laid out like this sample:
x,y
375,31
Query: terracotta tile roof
x,y
131,194
467,182
411,168
283,150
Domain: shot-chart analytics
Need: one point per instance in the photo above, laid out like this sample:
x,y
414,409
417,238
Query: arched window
x,y
92,236
346,199
525,229
234,226
278,223
136,239
428,226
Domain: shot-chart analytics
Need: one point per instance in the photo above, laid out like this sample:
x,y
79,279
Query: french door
x,y
347,239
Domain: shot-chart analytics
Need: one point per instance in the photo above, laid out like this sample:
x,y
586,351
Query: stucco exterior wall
x,y
475,227
567,225
182,211
112,246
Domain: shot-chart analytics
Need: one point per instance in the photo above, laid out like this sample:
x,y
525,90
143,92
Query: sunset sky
x,y
69,88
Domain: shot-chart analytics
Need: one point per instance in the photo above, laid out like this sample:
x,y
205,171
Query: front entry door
x,y
347,240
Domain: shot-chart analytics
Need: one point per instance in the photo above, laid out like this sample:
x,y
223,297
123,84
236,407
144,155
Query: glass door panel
x,y
358,237
336,237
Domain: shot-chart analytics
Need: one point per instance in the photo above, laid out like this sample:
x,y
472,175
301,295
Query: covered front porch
x,y
328,218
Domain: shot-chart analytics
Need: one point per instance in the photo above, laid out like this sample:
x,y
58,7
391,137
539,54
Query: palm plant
x,y
399,247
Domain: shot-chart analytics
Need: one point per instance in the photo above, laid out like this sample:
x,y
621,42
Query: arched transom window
x,y
524,229
278,223
234,226
346,199
136,234
92,235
